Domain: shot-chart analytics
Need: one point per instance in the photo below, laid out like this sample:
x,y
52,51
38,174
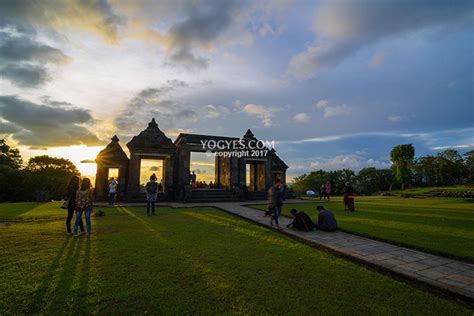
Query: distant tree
x,y
370,180
402,159
48,175
469,163
52,163
10,174
9,156
452,167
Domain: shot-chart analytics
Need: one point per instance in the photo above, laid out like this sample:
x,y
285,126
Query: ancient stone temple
x,y
242,170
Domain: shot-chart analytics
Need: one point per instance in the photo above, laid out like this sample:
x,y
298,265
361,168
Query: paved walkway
x,y
443,273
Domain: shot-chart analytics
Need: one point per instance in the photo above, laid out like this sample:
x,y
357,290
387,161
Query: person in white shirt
x,y
112,191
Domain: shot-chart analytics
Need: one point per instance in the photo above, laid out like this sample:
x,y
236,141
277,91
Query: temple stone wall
x,y
152,143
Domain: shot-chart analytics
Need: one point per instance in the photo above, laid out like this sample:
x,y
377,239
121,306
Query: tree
x,y
10,174
370,180
48,176
402,158
469,163
9,156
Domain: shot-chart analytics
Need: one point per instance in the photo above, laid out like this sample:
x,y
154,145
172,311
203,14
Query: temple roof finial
x,y
249,134
152,123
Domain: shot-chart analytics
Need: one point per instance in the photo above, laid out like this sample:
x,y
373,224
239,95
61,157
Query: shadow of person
x,y
46,280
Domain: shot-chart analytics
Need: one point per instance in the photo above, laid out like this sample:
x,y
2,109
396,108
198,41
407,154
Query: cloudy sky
x,y
335,83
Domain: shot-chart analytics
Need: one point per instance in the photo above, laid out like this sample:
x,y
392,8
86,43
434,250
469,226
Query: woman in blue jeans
x,y
84,205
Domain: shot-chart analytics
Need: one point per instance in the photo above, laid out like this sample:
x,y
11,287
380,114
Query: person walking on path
x,y
275,202
326,220
349,198
327,190
112,191
151,195
84,204
71,204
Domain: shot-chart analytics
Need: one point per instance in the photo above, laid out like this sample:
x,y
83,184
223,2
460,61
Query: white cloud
x,y
395,118
302,118
211,111
333,110
351,161
461,146
265,113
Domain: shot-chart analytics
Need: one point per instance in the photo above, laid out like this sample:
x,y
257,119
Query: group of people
x,y
79,201
202,185
199,184
301,220
325,191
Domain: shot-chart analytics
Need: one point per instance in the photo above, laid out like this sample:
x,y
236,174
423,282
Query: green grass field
x,y
421,190
438,225
184,261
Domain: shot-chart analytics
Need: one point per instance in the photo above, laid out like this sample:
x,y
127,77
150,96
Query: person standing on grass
x,y
327,190
71,204
112,191
151,195
275,202
84,204
326,220
349,198
322,191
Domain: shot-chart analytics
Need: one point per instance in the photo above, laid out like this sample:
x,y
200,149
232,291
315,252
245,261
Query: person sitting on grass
x,y
326,220
301,221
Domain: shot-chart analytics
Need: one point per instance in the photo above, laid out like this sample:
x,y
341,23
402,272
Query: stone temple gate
x,y
245,175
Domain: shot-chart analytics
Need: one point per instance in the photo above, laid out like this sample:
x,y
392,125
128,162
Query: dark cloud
x,y
344,27
24,59
95,16
25,48
45,125
25,75
203,23
155,102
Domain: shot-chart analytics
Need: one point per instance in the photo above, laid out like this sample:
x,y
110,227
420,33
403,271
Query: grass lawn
x,y
184,261
421,190
438,225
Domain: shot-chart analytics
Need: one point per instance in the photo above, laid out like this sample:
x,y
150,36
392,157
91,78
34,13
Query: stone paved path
x,y
443,273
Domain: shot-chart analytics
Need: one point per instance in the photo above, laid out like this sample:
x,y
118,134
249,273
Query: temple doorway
x,y
255,175
148,167
204,167
113,173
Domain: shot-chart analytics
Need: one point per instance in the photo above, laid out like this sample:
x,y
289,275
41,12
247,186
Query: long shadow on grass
x,y
62,292
41,292
197,271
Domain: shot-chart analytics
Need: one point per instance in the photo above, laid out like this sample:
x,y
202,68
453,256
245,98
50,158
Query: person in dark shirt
x,y
301,221
349,198
71,205
326,220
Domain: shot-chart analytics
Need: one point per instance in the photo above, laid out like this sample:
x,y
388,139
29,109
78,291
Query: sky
x,y
336,84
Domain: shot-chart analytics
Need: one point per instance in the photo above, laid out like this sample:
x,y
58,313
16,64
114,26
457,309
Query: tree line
x,y
446,168
41,178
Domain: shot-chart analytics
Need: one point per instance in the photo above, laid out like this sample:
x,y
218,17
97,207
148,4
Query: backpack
x,y
82,202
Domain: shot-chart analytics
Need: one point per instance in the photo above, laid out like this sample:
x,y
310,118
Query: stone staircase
x,y
257,195
428,194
